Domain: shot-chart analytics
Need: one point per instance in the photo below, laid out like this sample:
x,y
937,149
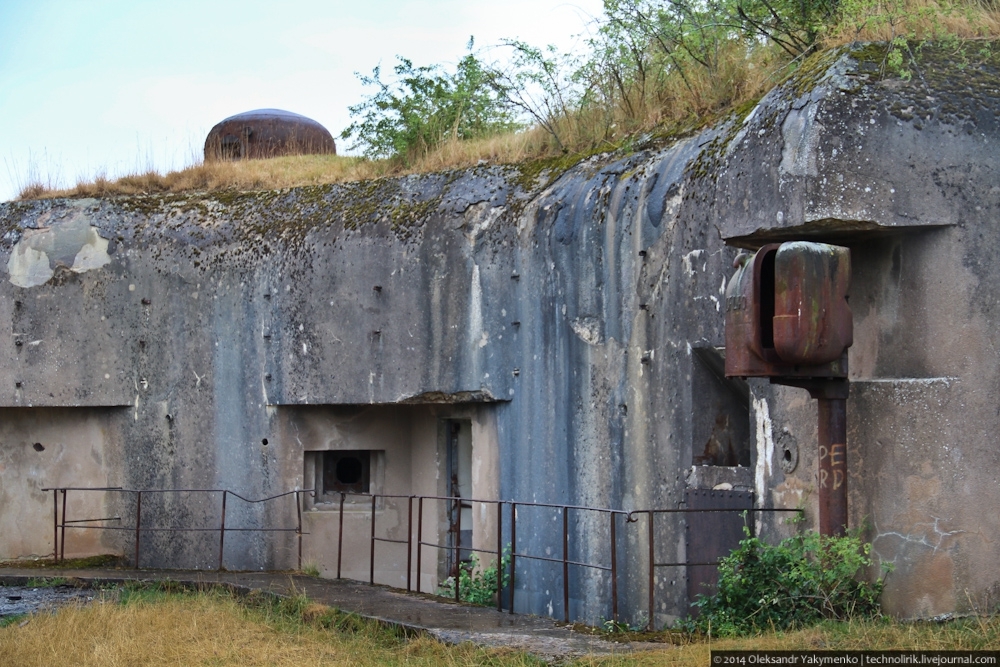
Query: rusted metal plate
x,y
787,313
812,322
712,535
267,133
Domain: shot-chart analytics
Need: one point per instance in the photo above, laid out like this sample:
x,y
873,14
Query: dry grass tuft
x,y
280,172
301,170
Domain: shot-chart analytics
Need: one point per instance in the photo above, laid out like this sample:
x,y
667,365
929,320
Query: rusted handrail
x,y
59,528
457,547
651,515
59,535
564,560
409,541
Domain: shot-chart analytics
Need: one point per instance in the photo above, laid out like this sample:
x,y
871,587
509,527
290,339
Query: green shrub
x,y
802,580
424,106
478,586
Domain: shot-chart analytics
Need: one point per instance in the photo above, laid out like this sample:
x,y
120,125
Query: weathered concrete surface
x,y
572,317
920,159
49,447
22,598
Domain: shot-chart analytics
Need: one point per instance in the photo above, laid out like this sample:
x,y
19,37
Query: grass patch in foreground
x,y
169,625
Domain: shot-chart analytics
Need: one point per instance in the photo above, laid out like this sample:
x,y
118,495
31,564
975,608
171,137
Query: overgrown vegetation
x,y
478,585
650,65
423,107
805,579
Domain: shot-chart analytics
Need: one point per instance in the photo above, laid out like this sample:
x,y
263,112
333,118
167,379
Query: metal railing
x,y
612,531
651,538
59,527
614,516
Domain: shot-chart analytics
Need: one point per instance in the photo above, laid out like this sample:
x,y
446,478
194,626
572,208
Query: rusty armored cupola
x,y
266,133
787,318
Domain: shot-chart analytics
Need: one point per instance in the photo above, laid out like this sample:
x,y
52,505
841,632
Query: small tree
x,y
424,106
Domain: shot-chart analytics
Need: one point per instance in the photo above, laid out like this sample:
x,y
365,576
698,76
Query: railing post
x,y
371,571
499,555
298,530
513,550
458,549
409,542
222,529
55,524
340,534
652,573
420,535
62,540
614,571
138,519
565,513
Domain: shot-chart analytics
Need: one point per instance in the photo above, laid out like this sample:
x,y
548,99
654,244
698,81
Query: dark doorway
x,y
458,444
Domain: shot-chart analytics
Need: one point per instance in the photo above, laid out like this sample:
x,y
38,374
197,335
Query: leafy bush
x,y
424,107
478,586
800,581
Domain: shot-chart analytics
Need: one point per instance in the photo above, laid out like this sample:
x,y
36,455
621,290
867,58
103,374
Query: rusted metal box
x,y
712,535
787,313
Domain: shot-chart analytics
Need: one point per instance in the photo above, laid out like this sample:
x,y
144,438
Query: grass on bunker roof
x,y
298,170
167,625
669,104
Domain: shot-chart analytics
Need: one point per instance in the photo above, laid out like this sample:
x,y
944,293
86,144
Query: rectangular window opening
x,y
349,471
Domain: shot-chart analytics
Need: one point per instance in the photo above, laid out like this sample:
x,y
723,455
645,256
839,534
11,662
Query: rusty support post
x,y
420,535
55,524
62,537
499,555
458,549
832,466
298,512
222,529
652,573
138,519
513,550
371,570
409,542
565,564
340,535
614,570
831,397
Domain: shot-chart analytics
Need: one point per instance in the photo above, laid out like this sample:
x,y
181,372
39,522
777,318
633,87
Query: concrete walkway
x,y
447,621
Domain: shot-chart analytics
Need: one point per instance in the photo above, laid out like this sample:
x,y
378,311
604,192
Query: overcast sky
x,y
112,87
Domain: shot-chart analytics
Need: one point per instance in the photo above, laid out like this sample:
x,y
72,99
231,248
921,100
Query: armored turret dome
x,y
265,133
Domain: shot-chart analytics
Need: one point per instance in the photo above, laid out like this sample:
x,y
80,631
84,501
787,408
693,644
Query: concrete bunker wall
x,y
55,447
908,182
408,457
574,319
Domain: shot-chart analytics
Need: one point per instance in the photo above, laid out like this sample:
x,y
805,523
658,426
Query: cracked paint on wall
x,y
75,245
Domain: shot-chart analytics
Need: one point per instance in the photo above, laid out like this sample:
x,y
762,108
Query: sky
x,y
109,87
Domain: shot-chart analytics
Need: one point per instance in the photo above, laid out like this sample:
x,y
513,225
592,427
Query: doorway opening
x,y
458,448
